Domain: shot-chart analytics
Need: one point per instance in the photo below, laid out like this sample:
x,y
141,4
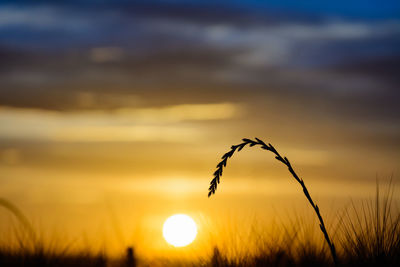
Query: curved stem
x,y
218,173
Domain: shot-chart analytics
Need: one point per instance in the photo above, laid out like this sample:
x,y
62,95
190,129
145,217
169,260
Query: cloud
x,y
106,54
123,125
185,112
140,133
142,58
278,44
40,18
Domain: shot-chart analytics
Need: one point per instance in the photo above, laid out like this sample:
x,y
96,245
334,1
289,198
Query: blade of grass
x,y
218,173
20,217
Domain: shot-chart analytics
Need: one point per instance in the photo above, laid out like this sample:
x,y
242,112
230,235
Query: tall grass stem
x,y
257,142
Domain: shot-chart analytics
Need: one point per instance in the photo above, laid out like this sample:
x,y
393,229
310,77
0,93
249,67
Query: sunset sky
x,y
116,112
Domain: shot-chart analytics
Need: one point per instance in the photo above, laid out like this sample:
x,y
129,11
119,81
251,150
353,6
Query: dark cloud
x,y
155,53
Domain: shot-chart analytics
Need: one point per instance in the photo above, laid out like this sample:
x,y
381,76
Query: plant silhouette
x,y
218,173
20,217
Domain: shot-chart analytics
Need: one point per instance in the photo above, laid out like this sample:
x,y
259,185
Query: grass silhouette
x,y
218,173
368,235
372,234
27,236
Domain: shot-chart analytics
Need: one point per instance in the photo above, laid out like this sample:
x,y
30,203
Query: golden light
x,y
179,230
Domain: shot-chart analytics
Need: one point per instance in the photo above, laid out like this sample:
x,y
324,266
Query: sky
x,y
118,111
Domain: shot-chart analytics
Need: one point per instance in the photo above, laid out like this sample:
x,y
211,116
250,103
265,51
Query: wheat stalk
x,y
218,173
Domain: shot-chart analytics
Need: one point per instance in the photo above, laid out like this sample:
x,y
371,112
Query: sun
x,y
179,230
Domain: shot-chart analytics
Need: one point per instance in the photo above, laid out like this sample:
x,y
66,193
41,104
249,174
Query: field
x,y
365,235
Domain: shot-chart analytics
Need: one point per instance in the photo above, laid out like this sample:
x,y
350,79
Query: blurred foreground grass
x,y
365,235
